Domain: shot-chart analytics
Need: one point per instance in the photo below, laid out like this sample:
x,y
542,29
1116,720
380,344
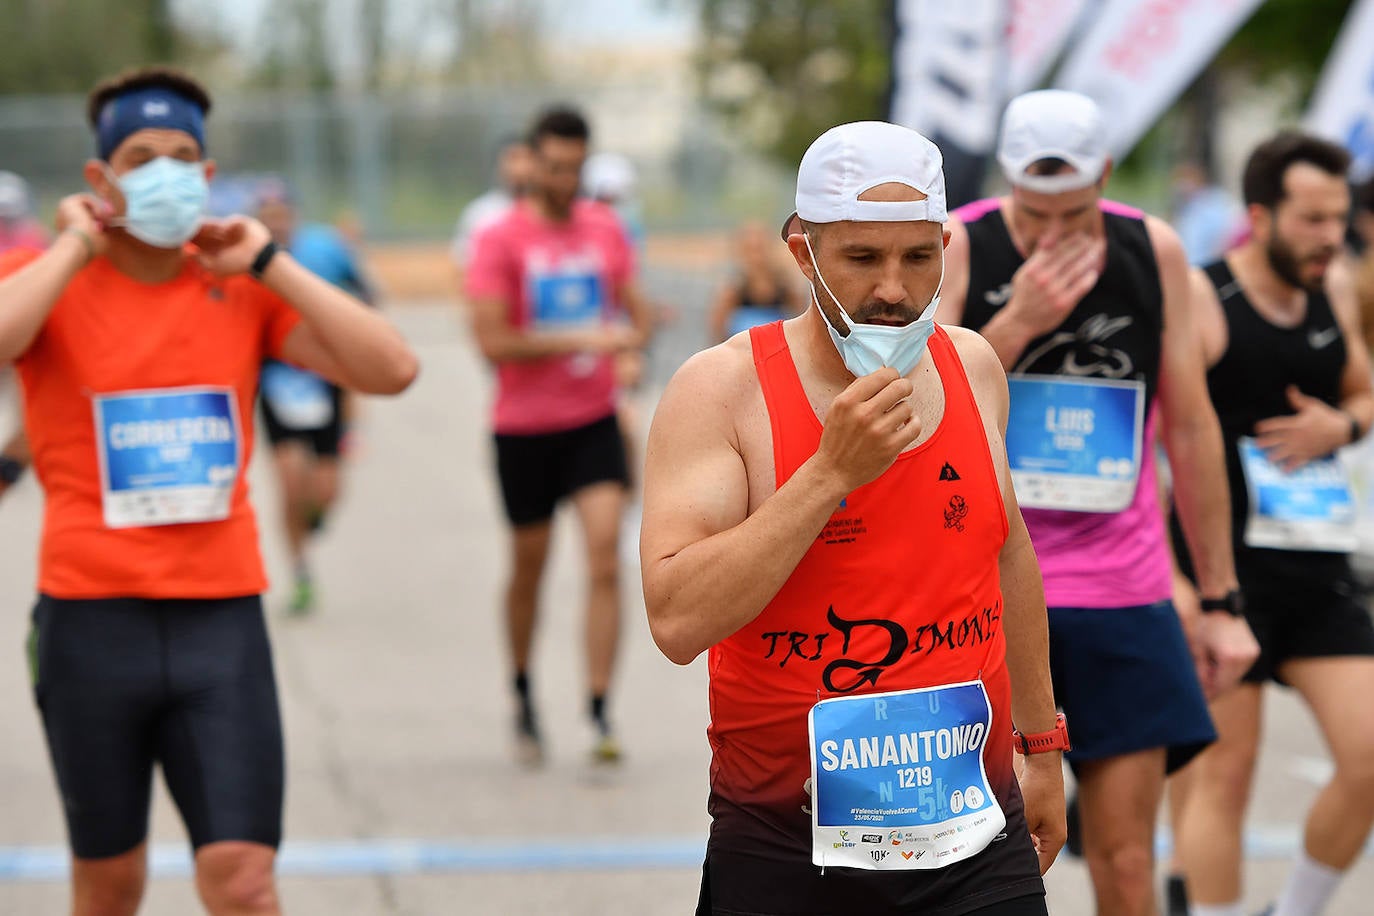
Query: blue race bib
x,y
1075,443
167,456
897,779
567,299
1311,508
299,399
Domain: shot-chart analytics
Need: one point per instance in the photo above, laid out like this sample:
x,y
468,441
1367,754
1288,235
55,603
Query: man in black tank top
x,y
1085,303
1290,379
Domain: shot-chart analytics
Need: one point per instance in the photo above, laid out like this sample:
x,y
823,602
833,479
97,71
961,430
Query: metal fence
x,y
406,164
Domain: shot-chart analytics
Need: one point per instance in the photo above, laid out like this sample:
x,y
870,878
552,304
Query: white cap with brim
x,y
849,160
1053,124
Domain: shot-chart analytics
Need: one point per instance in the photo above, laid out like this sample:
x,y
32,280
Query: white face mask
x,y
869,347
164,201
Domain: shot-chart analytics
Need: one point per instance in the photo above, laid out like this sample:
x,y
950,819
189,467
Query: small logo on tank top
x,y
998,297
948,473
955,513
1320,340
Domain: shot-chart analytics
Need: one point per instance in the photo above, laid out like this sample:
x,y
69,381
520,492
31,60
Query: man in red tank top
x,y
828,511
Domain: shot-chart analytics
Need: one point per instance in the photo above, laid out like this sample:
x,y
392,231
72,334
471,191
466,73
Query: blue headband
x,y
154,107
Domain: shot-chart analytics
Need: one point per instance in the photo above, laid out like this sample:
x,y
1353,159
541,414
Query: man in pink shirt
x,y
1085,302
546,283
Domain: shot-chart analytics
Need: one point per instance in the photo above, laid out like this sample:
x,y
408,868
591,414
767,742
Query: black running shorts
x,y
323,441
1301,605
539,471
125,683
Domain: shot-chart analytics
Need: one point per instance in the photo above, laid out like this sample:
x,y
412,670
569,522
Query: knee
x,y
112,892
604,565
238,883
1125,869
1355,773
1225,776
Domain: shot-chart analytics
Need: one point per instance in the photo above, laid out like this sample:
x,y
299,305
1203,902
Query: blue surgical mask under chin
x,y
869,347
164,201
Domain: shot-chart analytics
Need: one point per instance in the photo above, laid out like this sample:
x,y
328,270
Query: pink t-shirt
x,y
1107,559
22,234
553,276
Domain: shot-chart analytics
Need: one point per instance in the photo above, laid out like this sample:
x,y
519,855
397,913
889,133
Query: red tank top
x,y
899,591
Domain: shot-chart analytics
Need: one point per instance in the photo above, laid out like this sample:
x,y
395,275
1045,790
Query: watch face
x,y
10,469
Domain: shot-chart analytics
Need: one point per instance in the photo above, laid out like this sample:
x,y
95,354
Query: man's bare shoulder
x,y
714,382
1165,241
986,378
977,355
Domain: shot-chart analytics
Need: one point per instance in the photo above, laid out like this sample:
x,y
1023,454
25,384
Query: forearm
x,y
28,295
1360,408
708,590
18,447
1202,500
1025,624
371,355
1009,338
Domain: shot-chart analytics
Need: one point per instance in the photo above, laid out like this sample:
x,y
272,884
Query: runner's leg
x,y
236,879
1337,689
600,508
1210,827
111,886
1118,800
529,551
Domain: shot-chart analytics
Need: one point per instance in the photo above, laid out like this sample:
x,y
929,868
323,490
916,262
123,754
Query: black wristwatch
x,y
265,256
1233,603
11,469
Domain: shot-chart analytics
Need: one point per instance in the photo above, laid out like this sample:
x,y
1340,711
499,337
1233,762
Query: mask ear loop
x,y
926,314
844,319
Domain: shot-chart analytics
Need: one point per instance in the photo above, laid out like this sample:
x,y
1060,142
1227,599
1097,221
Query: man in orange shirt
x,y
139,357
828,511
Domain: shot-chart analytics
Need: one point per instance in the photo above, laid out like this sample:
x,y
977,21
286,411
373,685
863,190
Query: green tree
x,y
782,71
66,45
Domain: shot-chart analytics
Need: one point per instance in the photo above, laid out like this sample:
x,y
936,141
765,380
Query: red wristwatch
x,y
1057,739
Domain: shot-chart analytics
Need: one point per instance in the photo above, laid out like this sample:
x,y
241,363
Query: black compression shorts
x,y
125,683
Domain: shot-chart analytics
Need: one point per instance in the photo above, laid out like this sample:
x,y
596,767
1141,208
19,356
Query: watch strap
x,y
264,257
1232,603
1056,739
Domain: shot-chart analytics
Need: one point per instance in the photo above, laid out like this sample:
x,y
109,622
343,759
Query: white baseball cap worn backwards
x,y
1052,124
846,161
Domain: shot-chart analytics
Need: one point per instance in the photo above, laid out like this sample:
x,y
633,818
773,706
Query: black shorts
x,y
1126,681
1020,905
1301,605
323,441
124,683
537,472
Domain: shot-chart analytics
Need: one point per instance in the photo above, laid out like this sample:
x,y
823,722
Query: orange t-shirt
x,y
138,403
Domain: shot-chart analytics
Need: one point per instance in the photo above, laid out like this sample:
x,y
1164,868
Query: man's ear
x,y
1106,174
1261,221
209,165
946,236
796,243
102,181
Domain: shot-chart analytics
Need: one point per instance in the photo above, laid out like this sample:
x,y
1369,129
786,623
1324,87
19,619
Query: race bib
x,y
1075,443
565,299
298,399
167,457
897,779
1311,508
